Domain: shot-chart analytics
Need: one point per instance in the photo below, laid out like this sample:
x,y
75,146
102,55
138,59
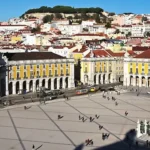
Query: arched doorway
x,y
37,85
94,79
103,78
49,84
137,81
31,85
17,87
143,81
55,83
109,77
24,87
85,79
3,87
10,88
43,83
148,82
99,79
66,80
60,81
131,80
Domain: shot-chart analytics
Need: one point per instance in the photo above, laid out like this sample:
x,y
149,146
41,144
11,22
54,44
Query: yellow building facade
x,y
30,75
137,72
101,70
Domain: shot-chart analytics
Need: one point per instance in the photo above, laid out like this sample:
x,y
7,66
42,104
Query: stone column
x,y
40,83
140,81
58,83
52,83
6,84
72,84
27,86
145,123
20,86
134,81
14,88
34,86
102,78
146,81
106,78
64,83
46,83
91,73
97,79
138,129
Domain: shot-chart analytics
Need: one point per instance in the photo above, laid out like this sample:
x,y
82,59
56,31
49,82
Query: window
x,y
24,74
24,67
31,66
136,70
67,64
37,73
142,69
10,75
130,70
31,73
61,71
55,72
50,72
55,65
67,71
17,75
43,73
17,67
85,69
61,65
37,66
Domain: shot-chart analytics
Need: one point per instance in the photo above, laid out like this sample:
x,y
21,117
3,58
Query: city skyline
x,y
10,9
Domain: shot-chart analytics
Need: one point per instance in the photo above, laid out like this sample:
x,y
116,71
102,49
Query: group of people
x,y
90,118
60,117
89,142
108,98
105,136
148,144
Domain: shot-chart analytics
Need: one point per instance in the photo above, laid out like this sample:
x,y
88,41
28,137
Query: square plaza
x,y
39,125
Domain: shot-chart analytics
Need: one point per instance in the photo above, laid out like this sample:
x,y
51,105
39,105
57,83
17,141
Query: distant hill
x,y
68,12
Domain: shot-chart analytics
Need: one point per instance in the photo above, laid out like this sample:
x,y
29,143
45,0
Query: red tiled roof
x,y
145,54
82,50
115,54
98,53
33,56
140,48
89,34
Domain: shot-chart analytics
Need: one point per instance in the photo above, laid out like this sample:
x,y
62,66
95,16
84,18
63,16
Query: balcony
x,y
50,75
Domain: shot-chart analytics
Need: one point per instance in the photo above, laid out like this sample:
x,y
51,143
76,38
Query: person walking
x,y
33,147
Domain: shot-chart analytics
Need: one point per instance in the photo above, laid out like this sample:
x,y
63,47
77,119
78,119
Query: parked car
x,y
51,96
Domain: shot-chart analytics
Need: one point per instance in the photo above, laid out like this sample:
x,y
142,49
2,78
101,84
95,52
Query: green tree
x,y
111,14
117,31
79,21
37,29
128,34
58,16
97,18
77,16
148,34
144,19
48,18
108,25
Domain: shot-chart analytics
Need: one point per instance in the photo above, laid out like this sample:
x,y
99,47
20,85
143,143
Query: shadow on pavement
x,y
128,143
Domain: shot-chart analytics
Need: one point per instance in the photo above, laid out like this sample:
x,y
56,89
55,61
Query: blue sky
x,y
15,8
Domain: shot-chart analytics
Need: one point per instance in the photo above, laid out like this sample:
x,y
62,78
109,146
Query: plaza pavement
x,y
20,129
